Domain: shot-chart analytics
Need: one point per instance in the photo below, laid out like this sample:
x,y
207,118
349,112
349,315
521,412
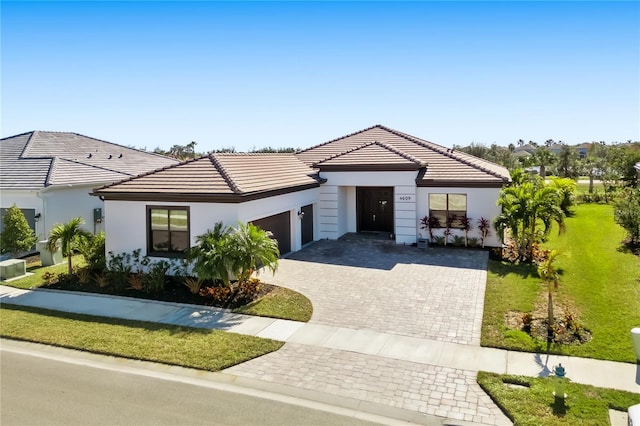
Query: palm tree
x,y
522,206
210,257
251,248
543,158
549,274
70,236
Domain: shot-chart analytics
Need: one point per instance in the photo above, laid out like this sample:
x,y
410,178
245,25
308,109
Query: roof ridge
x,y
60,159
225,174
34,132
384,145
52,170
341,137
26,145
401,153
448,152
170,166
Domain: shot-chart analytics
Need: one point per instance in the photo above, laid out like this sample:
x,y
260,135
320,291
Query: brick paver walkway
x,y
374,285
427,389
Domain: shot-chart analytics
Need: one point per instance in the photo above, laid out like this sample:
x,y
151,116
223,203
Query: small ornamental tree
x,y
627,213
430,223
17,237
70,236
466,226
484,226
549,274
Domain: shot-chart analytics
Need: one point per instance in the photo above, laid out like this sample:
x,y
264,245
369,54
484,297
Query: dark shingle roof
x,y
35,160
223,177
443,166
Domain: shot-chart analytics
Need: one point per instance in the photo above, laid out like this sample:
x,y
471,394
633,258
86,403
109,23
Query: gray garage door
x,y
280,226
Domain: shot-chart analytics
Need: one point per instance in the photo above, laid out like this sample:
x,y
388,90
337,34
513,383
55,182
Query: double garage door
x,y
280,225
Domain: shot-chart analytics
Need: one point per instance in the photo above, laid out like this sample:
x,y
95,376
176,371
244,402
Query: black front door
x,y
307,224
375,209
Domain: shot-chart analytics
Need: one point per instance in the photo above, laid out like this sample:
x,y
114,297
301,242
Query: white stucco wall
x,y
481,202
337,203
125,223
56,204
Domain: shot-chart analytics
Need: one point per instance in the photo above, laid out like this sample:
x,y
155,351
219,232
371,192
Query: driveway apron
x,y
371,284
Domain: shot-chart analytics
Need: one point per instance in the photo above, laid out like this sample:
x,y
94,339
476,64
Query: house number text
x,y
405,197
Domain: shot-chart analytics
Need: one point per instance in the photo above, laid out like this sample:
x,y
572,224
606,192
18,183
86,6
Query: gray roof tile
x,y
35,160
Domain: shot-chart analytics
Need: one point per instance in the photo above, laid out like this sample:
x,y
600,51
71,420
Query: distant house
x,y
49,175
375,180
637,167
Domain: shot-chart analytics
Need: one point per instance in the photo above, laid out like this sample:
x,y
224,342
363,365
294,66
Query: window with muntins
x,y
451,207
167,231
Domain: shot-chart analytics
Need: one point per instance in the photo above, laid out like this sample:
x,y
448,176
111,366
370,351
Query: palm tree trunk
x,y
550,314
69,262
590,183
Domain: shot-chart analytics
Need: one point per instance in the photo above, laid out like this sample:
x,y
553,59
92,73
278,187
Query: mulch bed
x,y
174,291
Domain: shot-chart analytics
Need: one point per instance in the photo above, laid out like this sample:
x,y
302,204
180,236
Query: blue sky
x,y
295,74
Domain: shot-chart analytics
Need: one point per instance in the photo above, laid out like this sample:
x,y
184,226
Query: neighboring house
x,y
375,180
49,175
637,167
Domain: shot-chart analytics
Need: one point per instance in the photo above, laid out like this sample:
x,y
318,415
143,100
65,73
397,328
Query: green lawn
x,y
36,280
599,278
535,405
189,347
280,303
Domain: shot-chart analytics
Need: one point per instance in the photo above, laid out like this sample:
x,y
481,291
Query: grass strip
x,y
280,303
533,404
210,350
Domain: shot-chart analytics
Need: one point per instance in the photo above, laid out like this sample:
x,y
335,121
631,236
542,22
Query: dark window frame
x,y
456,223
168,253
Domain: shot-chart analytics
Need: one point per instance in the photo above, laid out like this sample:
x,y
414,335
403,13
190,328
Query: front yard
x,y
210,350
599,285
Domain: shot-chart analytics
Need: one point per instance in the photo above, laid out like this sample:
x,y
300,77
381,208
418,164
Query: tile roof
x,y
38,159
223,177
371,156
443,165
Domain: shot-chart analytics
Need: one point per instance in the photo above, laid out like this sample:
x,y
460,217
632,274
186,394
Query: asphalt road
x,y
41,391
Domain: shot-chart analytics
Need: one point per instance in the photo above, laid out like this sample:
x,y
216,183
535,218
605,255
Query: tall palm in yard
x,y
549,274
252,248
70,236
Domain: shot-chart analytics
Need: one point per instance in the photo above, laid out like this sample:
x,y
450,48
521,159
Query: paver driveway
x,y
372,284
369,284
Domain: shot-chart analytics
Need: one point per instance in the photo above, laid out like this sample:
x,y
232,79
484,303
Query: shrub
x,y
84,275
627,213
527,320
193,284
101,279
247,291
473,242
17,236
219,294
136,281
93,251
458,241
49,278
119,269
438,240
155,277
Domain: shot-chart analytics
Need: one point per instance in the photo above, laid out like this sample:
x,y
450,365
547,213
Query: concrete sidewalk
x,y
600,373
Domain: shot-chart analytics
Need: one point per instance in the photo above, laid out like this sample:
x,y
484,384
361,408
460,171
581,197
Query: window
x,y
167,231
448,206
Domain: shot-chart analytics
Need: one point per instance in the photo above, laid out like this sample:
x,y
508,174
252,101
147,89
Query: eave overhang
x,y
201,197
